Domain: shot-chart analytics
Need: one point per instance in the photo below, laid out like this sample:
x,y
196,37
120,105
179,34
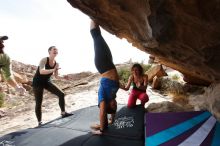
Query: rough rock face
x,y
22,73
210,100
184,35
166,106
156,70
22,68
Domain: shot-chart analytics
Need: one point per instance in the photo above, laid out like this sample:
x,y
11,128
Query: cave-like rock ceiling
x,y
182,34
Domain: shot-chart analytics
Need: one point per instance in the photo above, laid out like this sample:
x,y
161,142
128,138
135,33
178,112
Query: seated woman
x,y
139,82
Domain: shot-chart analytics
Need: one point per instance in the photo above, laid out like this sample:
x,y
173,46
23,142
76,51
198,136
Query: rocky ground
x,y
18,112
81,91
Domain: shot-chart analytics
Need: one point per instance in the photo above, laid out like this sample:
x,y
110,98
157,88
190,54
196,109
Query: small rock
x,y
2,114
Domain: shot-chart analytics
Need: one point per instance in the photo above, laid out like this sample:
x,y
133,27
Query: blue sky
x,y
34,25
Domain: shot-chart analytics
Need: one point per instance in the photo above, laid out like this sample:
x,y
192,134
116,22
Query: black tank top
x,y
40,79
136,88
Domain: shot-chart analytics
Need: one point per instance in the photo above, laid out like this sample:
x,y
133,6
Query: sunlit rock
x,y
184,35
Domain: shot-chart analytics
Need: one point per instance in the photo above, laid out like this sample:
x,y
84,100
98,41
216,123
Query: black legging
x,y
103,56
38,93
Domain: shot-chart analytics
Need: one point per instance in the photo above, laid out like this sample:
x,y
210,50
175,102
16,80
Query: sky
x,y
34,25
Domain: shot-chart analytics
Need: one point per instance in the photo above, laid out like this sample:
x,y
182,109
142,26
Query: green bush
x,y
1,99
125,72
146,67
175,77
171,86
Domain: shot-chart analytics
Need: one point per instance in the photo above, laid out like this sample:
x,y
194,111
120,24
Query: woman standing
x,y
42,80
139,81
5,68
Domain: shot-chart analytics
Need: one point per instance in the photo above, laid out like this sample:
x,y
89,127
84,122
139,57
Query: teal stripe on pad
x,y
176,130
215,140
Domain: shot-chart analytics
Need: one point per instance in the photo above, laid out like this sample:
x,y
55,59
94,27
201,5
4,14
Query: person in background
x,y
42,80
109,83
5,68
139,81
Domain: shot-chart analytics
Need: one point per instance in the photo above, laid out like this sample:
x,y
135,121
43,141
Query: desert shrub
x,y
171,86
125,72
1,99
180,98
175,77
174,89
146,67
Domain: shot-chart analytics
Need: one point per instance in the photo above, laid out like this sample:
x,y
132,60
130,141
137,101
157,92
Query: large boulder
x,y
209,100
20,78
167,106
156,70
156,83
182,34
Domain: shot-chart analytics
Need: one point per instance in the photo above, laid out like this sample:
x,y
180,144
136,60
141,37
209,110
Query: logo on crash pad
x,y
124,122
6,143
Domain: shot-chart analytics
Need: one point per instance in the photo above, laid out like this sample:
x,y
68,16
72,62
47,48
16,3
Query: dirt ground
x,y
83,95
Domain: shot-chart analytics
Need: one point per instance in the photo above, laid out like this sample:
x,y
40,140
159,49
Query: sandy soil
x,y
23,116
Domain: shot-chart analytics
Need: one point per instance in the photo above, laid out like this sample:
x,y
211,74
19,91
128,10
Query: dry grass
x,y
175,77
171,86
175,90
179,98
125,71
1,99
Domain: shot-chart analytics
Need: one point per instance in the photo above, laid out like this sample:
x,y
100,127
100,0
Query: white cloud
x,y
45,23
